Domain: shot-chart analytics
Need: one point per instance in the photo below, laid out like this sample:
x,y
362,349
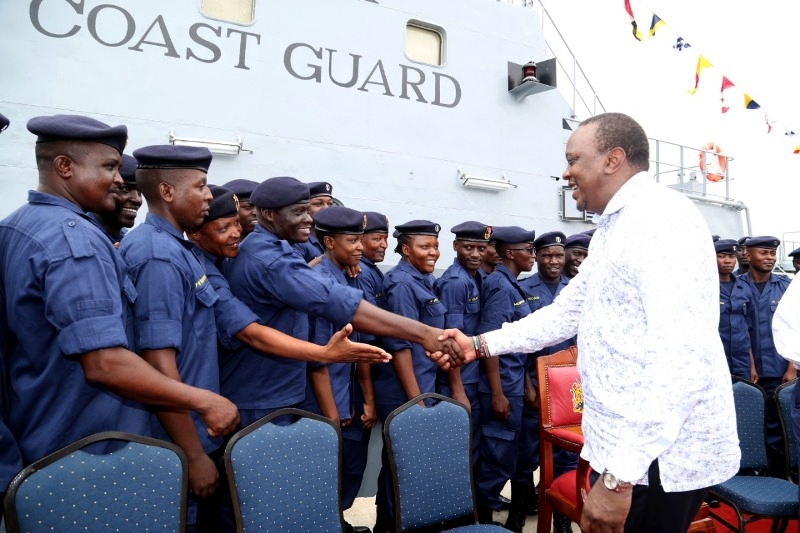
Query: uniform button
x,y
71,223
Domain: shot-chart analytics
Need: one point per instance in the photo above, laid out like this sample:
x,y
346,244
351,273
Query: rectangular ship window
x,y
236,11
425,43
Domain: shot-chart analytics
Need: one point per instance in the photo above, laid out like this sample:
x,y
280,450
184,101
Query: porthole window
x,y
236,11
425,43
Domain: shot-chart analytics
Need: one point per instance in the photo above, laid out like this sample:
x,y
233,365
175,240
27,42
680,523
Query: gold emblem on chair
x,y
576,390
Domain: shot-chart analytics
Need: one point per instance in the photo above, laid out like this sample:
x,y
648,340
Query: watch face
x,y
610,480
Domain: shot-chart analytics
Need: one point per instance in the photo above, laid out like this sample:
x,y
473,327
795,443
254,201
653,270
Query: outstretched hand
x,y
453,338
340,349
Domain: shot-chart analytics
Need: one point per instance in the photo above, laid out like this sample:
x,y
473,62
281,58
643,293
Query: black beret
x,y
224,205
417,227
4,122
128,169
513,234
339,219
551,238
726,246
472,231
319,188
281,191
169,156
77,128
579,240
795,252
242,188
763,241
590,232
376,223
743,241
714,238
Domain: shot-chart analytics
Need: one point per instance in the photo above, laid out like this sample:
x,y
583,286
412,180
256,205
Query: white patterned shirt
x,y
645,306
786,324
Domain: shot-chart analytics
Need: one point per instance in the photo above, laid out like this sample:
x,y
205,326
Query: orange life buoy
x,y
717,165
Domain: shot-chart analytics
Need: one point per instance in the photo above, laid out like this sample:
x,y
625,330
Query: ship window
x,y
425,43
236,11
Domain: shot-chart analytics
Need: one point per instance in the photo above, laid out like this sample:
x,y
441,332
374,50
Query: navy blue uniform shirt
x,y
737,310
311,249
271,278
408,293
174,308
503,300
66,293
768,362
460,294
370,282
538,295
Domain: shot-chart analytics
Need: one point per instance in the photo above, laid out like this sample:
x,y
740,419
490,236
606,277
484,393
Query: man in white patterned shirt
x,y
658,419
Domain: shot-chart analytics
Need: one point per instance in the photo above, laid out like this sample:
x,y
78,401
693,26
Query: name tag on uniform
x,y
433,301
517,304
200,281
474,299
533,298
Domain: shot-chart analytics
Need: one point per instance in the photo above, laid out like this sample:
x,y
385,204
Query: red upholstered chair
x,y
560,411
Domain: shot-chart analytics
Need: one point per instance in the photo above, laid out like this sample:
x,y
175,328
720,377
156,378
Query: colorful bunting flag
x,y
655,24
636,33
702,63
789,133
769,122
796,150
749,103
726,84
681,44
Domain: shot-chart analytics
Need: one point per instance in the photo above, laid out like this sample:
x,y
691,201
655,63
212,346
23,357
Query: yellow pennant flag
x,y
702,63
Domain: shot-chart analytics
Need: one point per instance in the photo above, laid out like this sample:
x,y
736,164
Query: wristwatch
x,y
613,483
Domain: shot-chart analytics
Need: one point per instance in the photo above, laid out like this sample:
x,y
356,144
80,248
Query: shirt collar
x,y
413,272
162,224
337,272
38,197
626,193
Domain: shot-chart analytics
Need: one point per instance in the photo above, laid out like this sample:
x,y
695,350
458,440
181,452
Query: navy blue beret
x,y
551,238
169,156
579,240
224,205
376,223
726,246
763,241
513,234
714,238
339,219
590,232
128,169
281,191
743,241
472,231
77,128
242,188
417,227
4,122
795,252
319,188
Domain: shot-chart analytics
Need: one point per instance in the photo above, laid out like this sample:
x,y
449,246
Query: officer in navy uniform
x,y
243,188
576,250
795,255
116,223
283,291
319,197
490,260
67,337
737,308
742,258
768,288
175,325
408,290
10,460
459,289
340,230
503,379
541,289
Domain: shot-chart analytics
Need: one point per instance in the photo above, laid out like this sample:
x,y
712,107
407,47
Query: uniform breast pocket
x,y
433,313
204,323
472,307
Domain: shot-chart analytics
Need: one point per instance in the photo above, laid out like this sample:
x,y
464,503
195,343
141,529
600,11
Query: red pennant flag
x,y
726,84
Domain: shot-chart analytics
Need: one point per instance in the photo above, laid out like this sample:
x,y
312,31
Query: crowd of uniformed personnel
x,y
203,311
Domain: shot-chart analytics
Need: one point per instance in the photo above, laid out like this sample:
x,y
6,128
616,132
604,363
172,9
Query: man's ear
x,y
63,166
166,192
615,158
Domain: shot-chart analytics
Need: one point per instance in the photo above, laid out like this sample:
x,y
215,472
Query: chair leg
x,y
545,518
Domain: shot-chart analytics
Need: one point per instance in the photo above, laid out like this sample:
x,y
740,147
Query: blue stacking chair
x,y
757,496
286,477
110,481
783,397
429,453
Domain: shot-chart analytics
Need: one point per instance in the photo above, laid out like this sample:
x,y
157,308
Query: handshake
x,y
450,349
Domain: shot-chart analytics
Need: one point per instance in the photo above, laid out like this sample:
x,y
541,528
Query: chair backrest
x,y
560,390
110,481
429,453
286,477
783,396
750,403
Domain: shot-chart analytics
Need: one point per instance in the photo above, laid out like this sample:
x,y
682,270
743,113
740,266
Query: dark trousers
x,y
796,418
656,511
